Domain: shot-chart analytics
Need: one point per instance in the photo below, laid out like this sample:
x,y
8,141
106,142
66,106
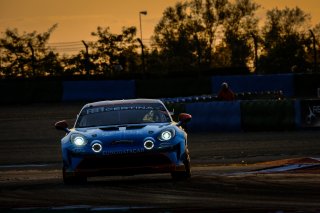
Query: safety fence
x,y
252,115
256,83
246,87
257,108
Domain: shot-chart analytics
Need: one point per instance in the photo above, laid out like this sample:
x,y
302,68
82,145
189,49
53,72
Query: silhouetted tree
x,y
28,55
114,52
286,37
241,30
206,18
75,65
194,35
172,39
187,32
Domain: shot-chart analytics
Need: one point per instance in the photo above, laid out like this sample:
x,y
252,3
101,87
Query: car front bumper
x,y
124,164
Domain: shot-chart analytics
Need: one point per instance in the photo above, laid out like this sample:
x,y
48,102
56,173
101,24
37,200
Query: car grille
x,y
124,161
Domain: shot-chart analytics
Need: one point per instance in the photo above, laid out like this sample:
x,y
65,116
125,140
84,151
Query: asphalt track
x,y
232,172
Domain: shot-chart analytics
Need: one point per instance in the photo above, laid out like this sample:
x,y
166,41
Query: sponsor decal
x,y
310,113
127,151
77,150
119,108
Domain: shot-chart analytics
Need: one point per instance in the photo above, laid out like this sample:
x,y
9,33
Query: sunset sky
x,y
78,18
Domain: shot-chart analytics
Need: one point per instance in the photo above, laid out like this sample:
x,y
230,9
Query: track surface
x,y
221,163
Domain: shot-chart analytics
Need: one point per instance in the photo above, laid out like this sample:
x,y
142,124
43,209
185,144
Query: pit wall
x,y
256,83
51,90
261,115
296,112
253,115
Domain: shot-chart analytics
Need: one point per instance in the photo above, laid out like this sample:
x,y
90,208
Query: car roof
x,y
125,101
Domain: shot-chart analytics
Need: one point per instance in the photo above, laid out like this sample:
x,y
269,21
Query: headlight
x,y
166,135
78,140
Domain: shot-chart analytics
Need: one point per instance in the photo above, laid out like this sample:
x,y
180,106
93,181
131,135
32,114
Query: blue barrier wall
x,y
214,116
256,83
98,90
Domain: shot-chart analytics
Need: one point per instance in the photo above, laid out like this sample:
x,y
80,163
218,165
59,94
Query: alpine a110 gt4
x,y
124,137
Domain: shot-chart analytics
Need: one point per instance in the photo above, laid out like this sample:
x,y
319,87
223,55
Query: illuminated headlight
x,y
78,140
166,135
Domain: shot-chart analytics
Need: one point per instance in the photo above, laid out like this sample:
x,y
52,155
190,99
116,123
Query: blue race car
x,y
124,137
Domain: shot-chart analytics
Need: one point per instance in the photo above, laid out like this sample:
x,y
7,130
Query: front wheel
x,y
72,180
183,175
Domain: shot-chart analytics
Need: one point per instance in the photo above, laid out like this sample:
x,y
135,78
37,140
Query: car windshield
x,y
122,114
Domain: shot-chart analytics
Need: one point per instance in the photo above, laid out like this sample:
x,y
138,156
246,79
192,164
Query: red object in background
x,y
225,94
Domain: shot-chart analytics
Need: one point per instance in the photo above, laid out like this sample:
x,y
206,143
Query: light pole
x,y
140,41
86,66
143,13
314,51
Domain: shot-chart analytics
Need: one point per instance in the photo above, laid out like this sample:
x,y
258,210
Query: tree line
x,y
195,37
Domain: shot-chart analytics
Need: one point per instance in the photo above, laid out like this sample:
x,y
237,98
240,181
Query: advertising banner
x,y
310,113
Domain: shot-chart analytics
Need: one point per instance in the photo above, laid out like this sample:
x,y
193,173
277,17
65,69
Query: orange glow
x,y
78,18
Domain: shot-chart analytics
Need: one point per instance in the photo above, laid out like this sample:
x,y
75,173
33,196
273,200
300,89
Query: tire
x,y
184,175
72,180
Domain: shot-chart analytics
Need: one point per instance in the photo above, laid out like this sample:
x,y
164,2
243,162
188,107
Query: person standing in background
x,y
225,93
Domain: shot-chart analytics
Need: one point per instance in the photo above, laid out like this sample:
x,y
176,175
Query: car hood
x,y
121,133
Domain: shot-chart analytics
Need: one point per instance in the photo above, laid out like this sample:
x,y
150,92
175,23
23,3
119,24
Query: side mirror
x,y
62,125
184,118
